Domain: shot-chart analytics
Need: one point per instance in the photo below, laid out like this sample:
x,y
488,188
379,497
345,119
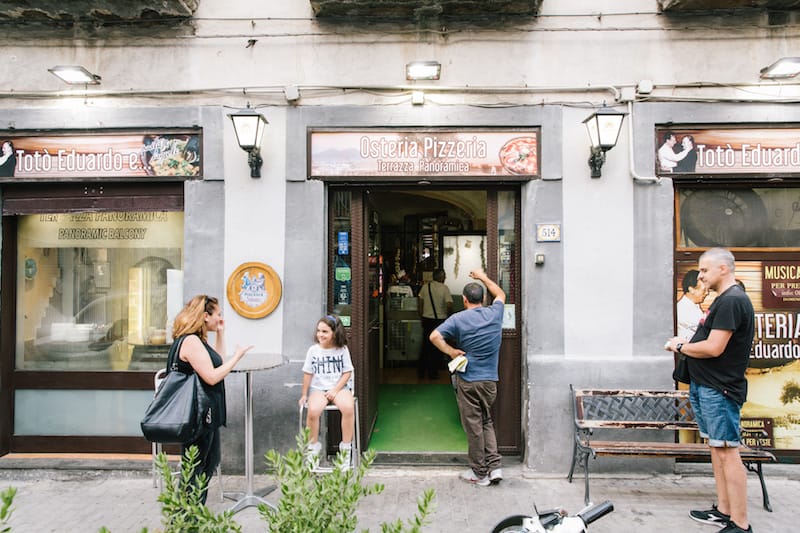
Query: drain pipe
x,y
634,175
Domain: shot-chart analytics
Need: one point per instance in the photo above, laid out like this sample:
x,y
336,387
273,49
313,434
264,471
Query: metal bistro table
x,y
251,363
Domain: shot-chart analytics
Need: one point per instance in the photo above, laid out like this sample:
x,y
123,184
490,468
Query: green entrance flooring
x,y
418,418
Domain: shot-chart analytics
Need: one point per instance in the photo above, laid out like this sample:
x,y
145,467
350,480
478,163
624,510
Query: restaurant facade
x,y
122,204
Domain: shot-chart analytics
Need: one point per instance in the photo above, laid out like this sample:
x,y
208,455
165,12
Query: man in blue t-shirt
x,y
476,333
718,354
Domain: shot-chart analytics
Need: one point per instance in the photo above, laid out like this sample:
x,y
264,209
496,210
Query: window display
x,y
97,290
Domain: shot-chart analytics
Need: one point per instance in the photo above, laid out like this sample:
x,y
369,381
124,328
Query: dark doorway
x,y
394,239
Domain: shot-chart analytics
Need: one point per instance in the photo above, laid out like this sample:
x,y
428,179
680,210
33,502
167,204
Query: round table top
x,y
258,361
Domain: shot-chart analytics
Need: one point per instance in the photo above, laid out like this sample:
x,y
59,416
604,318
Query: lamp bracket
x,y
255,161
596,160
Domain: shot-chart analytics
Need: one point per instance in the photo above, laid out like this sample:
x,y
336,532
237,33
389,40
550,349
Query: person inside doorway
x,y
435,305
476,333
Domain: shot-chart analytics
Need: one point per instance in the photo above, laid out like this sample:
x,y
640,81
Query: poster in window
x,y
771,414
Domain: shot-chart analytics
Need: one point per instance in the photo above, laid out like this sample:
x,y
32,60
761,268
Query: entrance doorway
x,y
385,245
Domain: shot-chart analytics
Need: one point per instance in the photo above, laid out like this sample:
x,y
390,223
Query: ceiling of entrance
x,y
393,205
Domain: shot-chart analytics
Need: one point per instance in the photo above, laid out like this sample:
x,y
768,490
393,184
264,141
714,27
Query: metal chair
x,y
355,450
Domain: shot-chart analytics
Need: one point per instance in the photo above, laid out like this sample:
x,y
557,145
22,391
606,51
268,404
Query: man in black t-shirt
x,y
718,354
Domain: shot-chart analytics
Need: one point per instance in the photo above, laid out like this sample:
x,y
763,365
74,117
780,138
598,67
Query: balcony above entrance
x,y
58,12
680,6
416,10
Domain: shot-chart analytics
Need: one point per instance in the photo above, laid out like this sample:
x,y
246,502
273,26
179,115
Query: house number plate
x,y
548,232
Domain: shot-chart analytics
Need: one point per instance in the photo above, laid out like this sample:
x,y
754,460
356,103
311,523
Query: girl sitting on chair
x,y
328,378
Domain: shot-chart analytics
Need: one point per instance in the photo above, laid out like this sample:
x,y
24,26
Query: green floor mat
x,y
418,418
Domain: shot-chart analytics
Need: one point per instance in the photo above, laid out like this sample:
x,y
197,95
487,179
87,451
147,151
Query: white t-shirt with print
x,y
327,366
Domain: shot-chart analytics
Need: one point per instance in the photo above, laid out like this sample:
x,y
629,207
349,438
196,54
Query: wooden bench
x,y
609,409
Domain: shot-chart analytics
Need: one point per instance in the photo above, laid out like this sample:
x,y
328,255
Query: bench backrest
x,y
640,409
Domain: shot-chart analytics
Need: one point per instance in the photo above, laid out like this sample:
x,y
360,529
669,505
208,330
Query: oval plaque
x,y
254,290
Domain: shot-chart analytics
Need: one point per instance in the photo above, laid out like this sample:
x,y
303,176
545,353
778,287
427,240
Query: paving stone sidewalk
x,y
125,501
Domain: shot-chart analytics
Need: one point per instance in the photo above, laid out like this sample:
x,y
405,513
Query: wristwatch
x,y
678,348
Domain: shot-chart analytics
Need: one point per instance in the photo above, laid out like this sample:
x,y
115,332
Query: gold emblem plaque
x,y
254,290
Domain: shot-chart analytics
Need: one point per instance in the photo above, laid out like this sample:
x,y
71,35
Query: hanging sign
x,y
512,154
254,290
130,154
727,151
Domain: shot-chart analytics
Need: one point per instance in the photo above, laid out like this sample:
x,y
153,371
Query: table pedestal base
x,y
249,499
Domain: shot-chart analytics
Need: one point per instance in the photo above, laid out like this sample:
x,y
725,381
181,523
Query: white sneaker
x,y
496,476
347,449
313,453
470,477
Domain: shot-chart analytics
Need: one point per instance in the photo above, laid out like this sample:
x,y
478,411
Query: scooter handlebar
x,y
595,512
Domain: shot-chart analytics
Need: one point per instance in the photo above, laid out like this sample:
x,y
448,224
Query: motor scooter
x,y
554,520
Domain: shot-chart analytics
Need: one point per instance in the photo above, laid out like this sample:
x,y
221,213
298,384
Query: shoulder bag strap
x,y
174,352
433,305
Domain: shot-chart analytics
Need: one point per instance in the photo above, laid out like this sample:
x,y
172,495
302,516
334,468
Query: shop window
x,y
97,290
739,218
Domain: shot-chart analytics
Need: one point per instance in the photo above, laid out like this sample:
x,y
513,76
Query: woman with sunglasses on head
x,y
201,315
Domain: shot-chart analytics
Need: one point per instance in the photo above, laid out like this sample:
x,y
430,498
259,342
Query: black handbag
x,y
681,372
180,411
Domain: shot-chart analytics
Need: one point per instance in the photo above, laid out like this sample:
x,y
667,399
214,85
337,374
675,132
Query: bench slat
x,y
668,450
636,424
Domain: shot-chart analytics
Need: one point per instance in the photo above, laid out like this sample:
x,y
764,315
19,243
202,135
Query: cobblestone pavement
x,y
77,501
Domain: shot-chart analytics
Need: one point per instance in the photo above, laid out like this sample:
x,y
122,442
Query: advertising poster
x,y
771,415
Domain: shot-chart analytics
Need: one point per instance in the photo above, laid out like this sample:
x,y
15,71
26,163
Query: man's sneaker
x,y
496,476
712,517
470,477
733,528
313,452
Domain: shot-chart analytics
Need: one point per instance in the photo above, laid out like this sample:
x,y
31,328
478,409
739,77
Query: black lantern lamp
x,y
603,126
249,127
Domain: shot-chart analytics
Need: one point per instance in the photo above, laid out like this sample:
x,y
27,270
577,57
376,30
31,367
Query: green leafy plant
x,y
7,499
182,507
326,503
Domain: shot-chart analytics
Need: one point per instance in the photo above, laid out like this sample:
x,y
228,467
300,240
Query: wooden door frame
x,y
508,407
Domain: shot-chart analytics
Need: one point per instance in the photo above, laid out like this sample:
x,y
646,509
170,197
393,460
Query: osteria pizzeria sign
x,y
513,154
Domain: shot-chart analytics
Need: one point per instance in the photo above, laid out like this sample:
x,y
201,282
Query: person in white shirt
x,y
688,308
435,305
667,157
328,378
